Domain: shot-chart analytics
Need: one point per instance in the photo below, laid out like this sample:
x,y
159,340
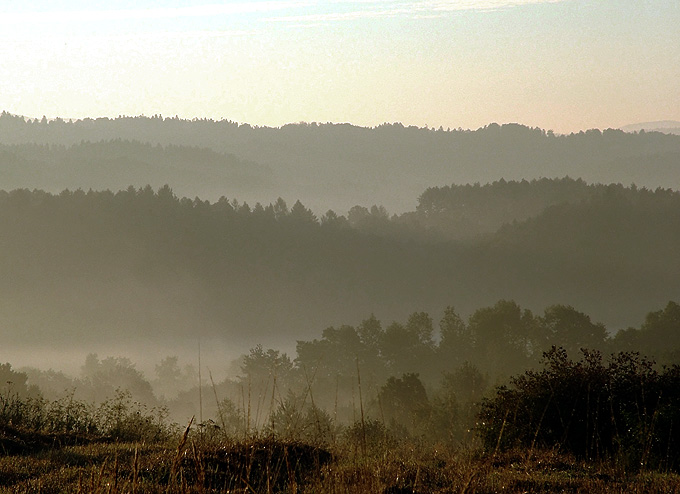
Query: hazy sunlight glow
x,y
559,64
78,16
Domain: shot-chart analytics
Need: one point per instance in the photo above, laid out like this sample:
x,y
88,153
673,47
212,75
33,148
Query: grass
x,y
198,464
122,447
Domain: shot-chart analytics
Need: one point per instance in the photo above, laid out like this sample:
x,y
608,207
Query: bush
x,y
405,405
372,434
118,419
293,420
456,404
626,410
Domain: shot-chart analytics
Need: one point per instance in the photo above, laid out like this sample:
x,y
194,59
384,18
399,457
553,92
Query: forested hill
x,y
468,211
116,164
336,166
146,264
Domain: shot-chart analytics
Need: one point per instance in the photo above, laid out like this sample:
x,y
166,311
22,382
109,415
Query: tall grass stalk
x,y
361,406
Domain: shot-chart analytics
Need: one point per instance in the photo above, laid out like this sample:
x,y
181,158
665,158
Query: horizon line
x,y
675,123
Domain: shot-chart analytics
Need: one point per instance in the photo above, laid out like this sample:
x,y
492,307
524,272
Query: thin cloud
x,y
368,9
329,11
453,5
341,16
209,10
440,9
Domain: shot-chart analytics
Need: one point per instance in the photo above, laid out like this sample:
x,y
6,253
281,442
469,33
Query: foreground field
x,y
195,463
593,425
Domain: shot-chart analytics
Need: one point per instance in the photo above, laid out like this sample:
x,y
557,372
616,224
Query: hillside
x,y
337,166
146,266
116,164
467,211
663,126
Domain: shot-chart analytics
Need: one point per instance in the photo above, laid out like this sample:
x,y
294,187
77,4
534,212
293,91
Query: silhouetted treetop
x,y
85,263
340,165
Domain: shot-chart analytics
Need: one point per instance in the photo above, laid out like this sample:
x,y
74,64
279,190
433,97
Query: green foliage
x,y
204,157
373,434
15,383
119,418
104,377
294,420
465,211
660,332
405,347
504,335
624,409
456,338
171,379
98,265
405,404
565,327
335,354
263,370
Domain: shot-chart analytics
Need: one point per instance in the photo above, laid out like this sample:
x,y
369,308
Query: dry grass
x,y
264,465
365,459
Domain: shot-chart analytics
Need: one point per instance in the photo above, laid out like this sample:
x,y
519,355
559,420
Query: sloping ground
x,y
265,465
338,166
14,441
273,466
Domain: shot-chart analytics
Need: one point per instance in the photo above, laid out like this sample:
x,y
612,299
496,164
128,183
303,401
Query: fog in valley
x,y
325,166
300,259
340,246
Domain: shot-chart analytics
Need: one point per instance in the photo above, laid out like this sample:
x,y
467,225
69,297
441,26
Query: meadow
x,y
121,446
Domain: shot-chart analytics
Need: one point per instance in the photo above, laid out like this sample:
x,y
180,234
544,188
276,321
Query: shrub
x,y
118,419
293,420
124,420
405,404
624,409
372,434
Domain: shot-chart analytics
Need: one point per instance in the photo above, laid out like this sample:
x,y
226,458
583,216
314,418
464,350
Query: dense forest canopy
x,y
145,264
116,164
420,377
95,247
326,166
425,310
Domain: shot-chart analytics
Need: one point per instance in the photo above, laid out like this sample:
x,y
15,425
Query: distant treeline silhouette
x,y
422,378
332,165
93,265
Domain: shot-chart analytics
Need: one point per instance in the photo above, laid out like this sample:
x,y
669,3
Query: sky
x,y
565,65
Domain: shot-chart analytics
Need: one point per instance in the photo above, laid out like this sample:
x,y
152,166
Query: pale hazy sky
x,y
558,64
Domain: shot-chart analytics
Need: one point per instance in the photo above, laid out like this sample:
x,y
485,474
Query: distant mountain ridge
x,y
337,166
95,266
117,164
663,126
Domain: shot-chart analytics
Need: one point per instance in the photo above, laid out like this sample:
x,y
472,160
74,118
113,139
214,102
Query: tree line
x,y
340,165
413,377
96,265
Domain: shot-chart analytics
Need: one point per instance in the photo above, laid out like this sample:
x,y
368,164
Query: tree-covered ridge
x,y
116,164
465,211
93,265
418,377
622,221
623,409
340,165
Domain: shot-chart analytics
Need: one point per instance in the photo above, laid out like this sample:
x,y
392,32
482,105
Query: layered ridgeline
x,y
323,165
116,164
146,265
664,126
